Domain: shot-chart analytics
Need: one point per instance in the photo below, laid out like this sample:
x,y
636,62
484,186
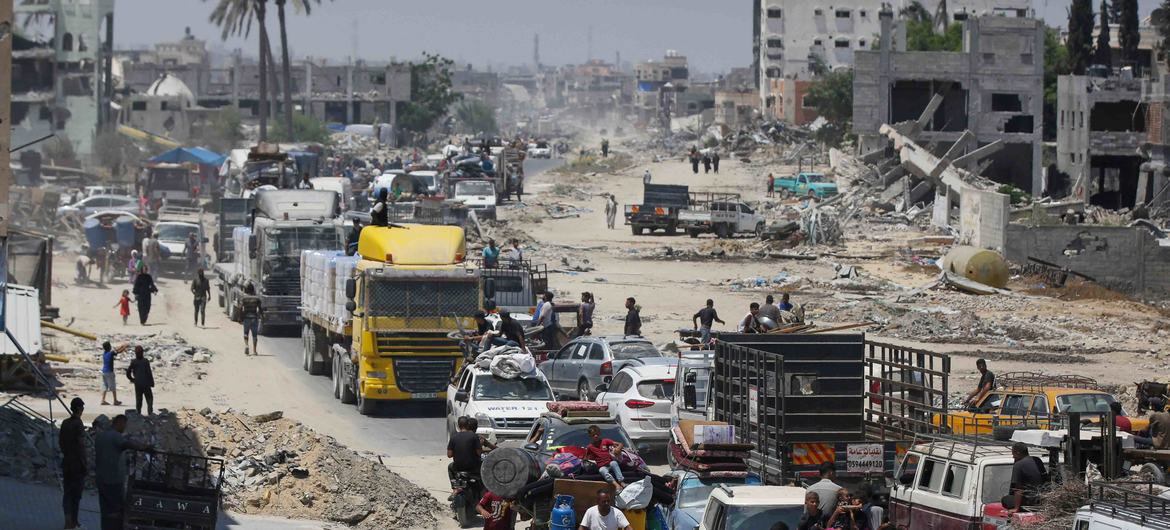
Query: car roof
x,y
965,451
110,196
477,370
760,495
651,371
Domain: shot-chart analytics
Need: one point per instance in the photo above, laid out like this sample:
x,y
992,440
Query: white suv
x,y
640,398
506,408
753,507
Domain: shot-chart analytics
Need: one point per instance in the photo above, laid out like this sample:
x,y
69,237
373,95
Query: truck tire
x,y
365,407
671,229
637,230
319,344
335,378
721,231
348,392
760,230
693,232
308,347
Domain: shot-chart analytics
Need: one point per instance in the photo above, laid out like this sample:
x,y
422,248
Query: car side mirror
x,y
350,306
532,447
350,289
603,387
690,397
461,396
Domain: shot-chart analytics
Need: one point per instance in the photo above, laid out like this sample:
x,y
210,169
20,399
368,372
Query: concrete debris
x,y
27,447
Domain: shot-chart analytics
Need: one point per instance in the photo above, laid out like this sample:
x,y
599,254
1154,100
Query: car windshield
x,y
1084,403
814,177
474,188
625,351
291,241
756,517
578,436
695,491
660,389
175,232
170,179
491,388
428,180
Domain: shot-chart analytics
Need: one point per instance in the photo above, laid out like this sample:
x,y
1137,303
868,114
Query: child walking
x,y
123,305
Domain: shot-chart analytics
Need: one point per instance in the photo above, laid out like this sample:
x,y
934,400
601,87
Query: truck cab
x,y
948,484
753,507
506,408
478,195
175,224
723,218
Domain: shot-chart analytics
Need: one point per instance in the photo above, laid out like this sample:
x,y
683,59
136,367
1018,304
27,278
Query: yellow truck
x,y
381,322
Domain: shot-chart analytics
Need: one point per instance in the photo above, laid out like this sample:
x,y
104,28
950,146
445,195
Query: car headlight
x,y
485,420
376,375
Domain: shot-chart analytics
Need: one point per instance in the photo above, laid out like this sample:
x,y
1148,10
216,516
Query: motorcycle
x,y
468,491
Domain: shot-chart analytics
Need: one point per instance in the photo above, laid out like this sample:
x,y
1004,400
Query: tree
x,y
1104,51
118,154
221,132
1160,19
1080,35
1127,34
477,117
1056,64
305,129
285,69
234,17
58,150
832,97
915,12
430,93
921,37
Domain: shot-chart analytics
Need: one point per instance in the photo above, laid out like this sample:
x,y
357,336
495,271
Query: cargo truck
x,y
723,214
383,323
268,252
807,400
659,209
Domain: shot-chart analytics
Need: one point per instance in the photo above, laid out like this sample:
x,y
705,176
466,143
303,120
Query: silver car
x,y
578,368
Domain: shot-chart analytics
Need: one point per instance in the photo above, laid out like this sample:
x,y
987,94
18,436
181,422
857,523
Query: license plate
x,y
424,395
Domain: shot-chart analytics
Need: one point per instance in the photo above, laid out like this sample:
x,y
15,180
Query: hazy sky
x,y
714,34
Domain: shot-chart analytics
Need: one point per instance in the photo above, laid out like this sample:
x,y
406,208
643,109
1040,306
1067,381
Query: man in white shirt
x,y
604,516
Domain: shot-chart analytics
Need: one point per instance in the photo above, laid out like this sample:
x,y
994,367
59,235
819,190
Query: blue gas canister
x,y
563,516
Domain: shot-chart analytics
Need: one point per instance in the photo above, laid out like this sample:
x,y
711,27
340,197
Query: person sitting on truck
x,y
785,303
380,213
1027,478
546,316
986,383
513,332
704,319
601,451
304,184
464,449
812,518
351,241
825,488
515,254
646,177
750,322
770,310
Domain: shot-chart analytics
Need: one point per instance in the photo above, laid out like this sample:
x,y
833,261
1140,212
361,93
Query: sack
x,y
513,366
636,496
630,460
567,463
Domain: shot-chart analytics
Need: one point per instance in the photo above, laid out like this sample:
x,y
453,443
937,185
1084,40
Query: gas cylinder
x,y
563,516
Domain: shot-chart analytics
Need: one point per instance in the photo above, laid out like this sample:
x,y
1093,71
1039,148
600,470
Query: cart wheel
x,y
1156,473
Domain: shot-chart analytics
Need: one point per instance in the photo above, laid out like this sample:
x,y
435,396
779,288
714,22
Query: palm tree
x,y
234,17
285,70
916,12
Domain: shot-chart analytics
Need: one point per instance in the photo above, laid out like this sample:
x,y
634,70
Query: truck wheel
x,y
671,229
721,231
637,230
760,230
308,347
335,376
315,341
693,232
365,406
348,392
1155,472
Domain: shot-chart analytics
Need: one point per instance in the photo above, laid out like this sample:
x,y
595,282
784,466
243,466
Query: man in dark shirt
x,y
1027,477
250,310
110,472
812,518
512,330
464,450
986,383
72,442
703,321
633,326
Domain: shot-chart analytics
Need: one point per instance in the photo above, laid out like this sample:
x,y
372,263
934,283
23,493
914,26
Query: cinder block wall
x,y
1126,259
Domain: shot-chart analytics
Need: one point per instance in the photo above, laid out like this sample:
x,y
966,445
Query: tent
x,y
197,155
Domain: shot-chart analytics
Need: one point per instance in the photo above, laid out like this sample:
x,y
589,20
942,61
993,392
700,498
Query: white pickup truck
x,y
723,218
505,408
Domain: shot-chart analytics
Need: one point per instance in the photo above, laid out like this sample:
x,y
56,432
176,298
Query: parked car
x,y
753,507
586,362
551,431
505,407
806,183
99,203
639,397
691,494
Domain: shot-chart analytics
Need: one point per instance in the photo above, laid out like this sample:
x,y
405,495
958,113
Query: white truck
x,y
724,215
175,224
478,195
505,408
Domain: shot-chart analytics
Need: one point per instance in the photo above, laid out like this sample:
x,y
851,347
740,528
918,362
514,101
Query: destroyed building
x,y
60,75
1155,146
1100,124
654,80
993,87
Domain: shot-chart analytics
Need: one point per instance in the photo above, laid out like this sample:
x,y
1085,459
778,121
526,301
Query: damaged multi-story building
x,y
791,36
1100,126
60,70
992,92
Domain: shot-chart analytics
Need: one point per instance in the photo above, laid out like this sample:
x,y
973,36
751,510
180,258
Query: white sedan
x,y
640,397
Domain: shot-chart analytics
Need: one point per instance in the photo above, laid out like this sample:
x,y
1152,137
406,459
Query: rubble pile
x,y
27,447
278,467
171,358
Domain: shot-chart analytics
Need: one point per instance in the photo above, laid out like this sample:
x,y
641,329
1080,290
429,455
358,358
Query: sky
x,y
715,35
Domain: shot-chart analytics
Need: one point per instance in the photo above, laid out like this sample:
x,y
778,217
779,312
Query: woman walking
x,y
140,373
201,290
144,288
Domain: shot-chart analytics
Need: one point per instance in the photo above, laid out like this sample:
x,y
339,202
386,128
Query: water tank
x,y
984,266
96,235
508,469
127,233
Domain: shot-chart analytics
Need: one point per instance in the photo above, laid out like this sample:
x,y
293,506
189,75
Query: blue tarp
x,y
197,155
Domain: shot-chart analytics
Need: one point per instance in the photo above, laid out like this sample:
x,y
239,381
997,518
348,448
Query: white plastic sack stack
x,y
240,235
343,269
319,283
636,496
507,362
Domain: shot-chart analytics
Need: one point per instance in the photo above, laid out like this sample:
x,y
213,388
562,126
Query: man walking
x,y
604,516
191,252
715,161
771,190
142,376
694,161
144,289
633,327
826,489
200,291
604,148
110,471
703,320
250,311
611,207
109,381
72,441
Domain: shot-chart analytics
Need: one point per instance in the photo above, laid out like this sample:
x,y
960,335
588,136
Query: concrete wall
x,y
1126,259
983,217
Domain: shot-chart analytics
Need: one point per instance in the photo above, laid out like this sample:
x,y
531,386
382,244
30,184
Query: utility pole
x,y
536,51
589,45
